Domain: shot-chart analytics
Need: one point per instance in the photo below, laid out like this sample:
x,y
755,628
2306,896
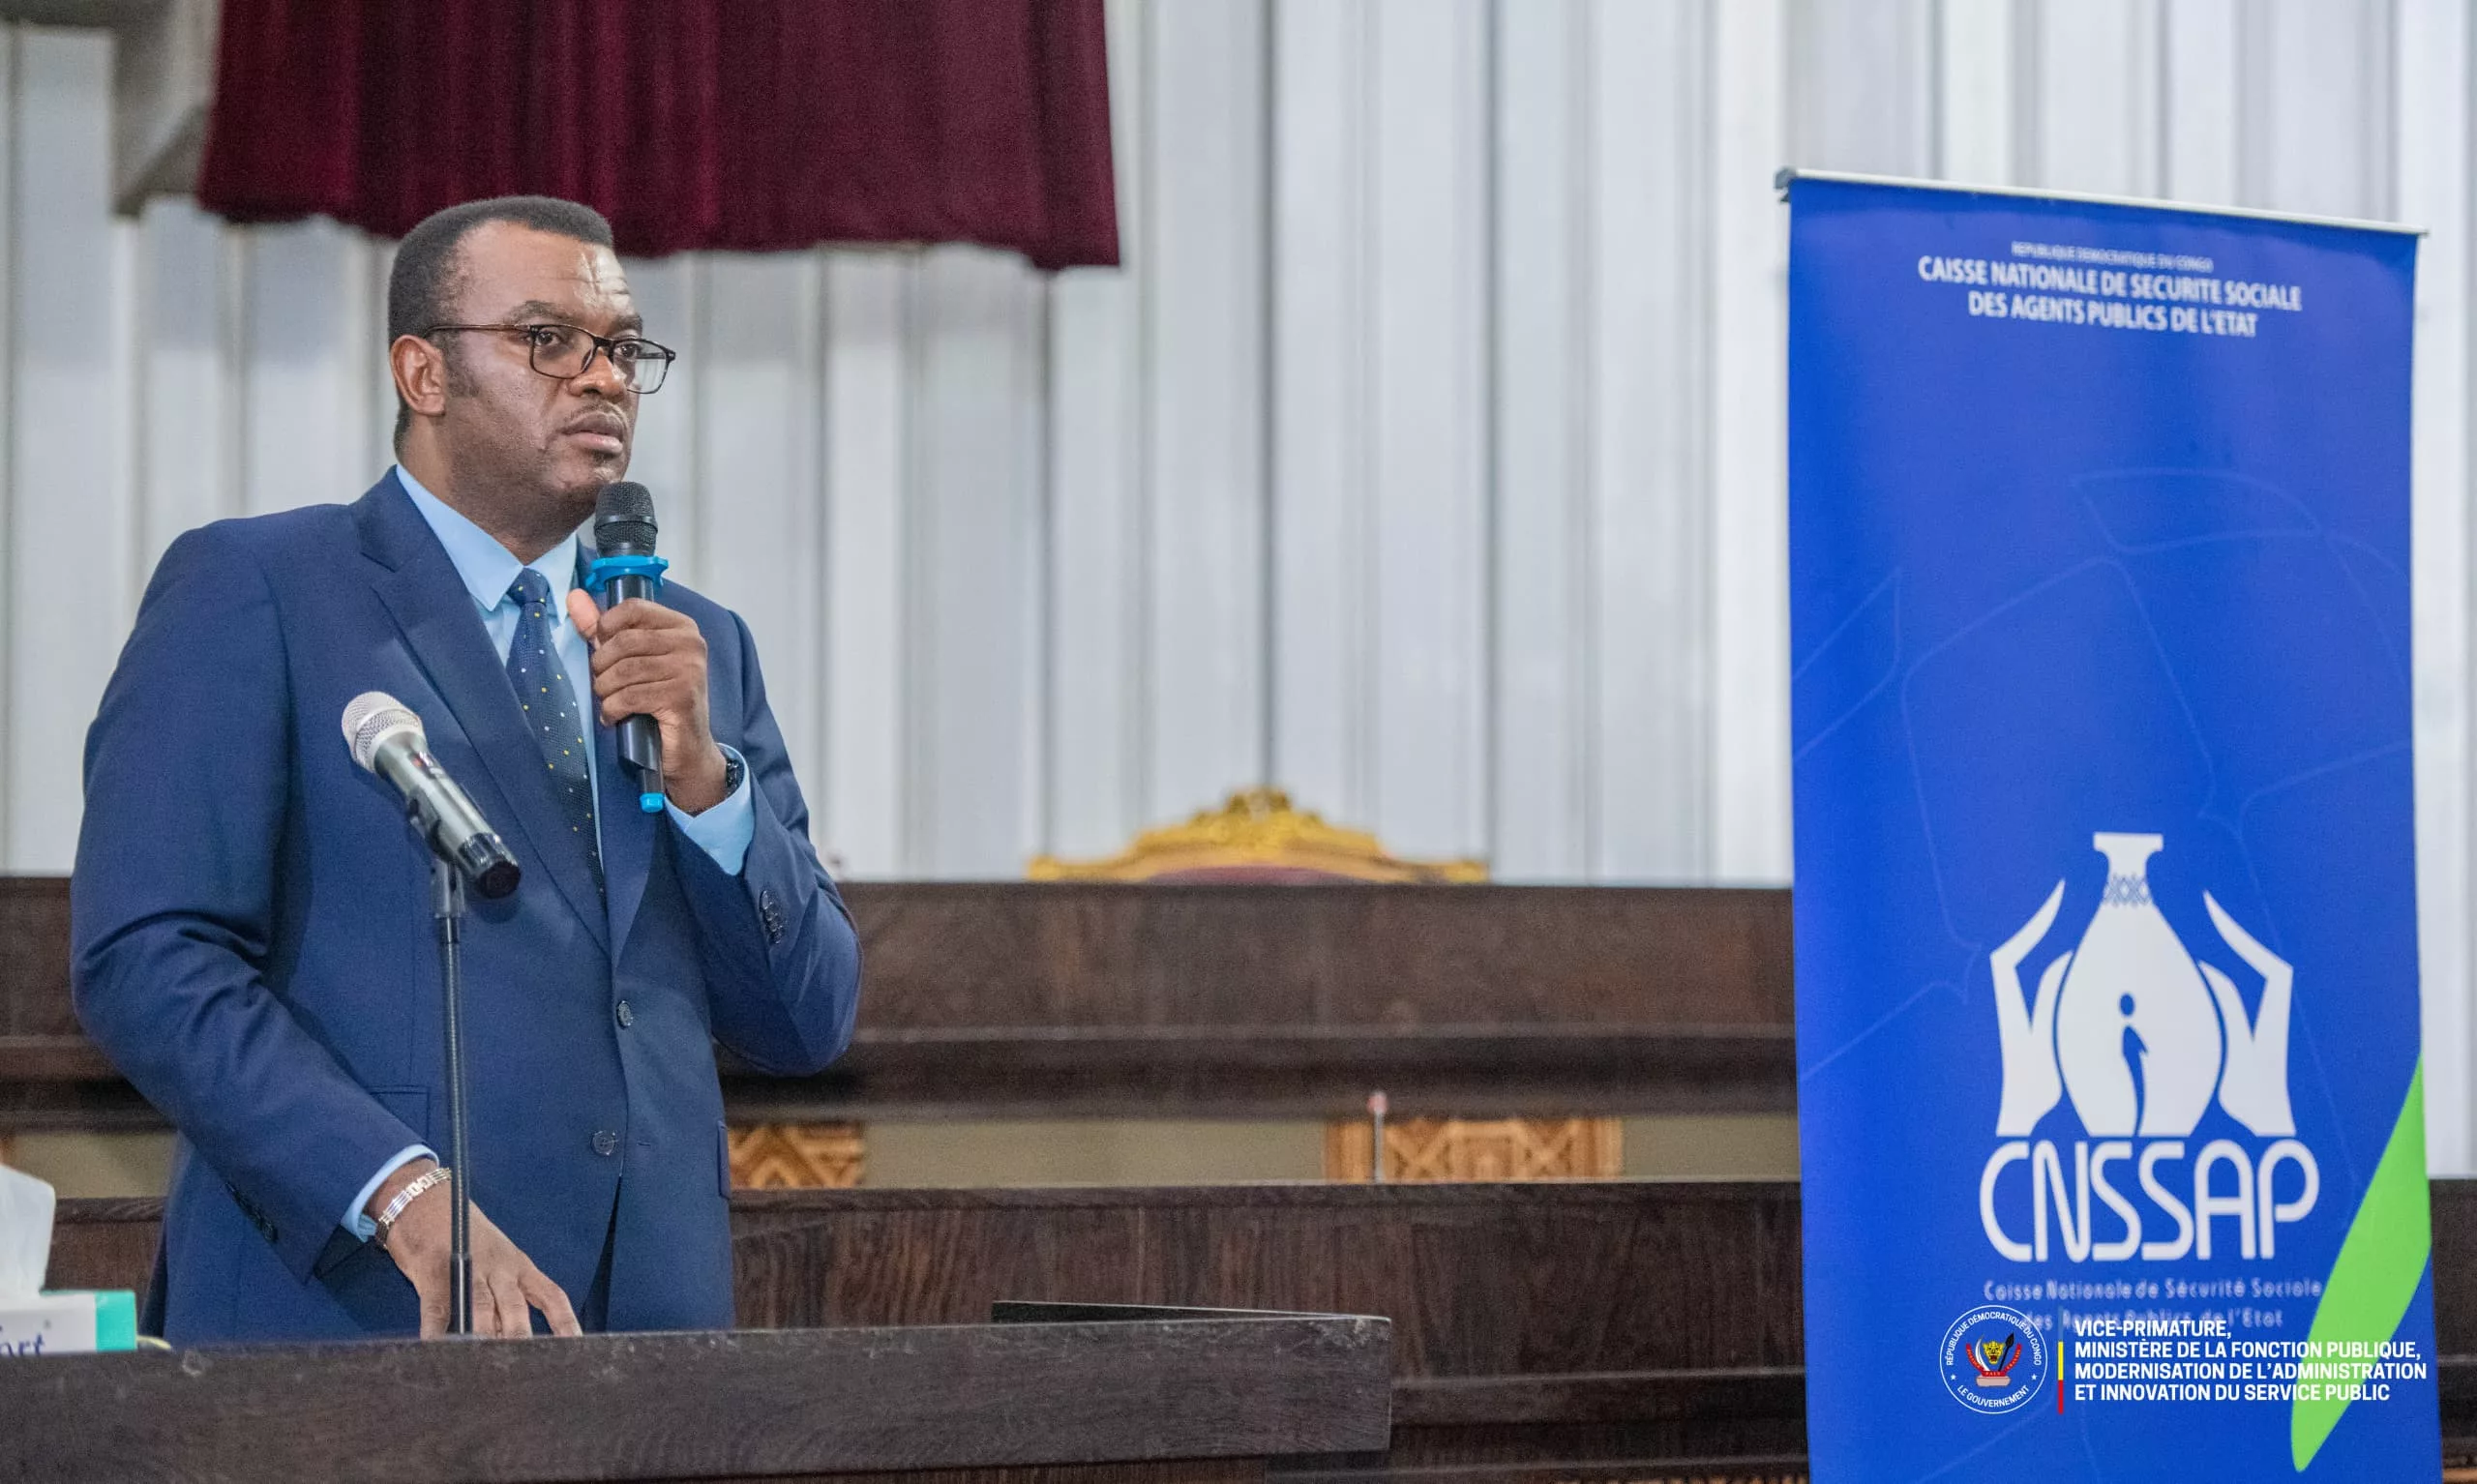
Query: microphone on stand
x,y
387,738
623,533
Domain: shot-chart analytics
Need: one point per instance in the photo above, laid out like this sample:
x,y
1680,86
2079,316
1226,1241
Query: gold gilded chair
x,y
1258,837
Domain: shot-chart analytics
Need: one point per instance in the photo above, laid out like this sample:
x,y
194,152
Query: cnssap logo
x,y
2143,1037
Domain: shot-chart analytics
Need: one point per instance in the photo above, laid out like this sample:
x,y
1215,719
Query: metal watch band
x,y
436,1174
733,770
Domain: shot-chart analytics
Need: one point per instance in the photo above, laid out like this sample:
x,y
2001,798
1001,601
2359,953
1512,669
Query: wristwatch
x,y
735,769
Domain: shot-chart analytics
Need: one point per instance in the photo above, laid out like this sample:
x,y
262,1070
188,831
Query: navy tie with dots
x,y
551,709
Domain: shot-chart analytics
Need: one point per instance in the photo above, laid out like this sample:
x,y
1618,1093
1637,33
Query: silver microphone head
x,y
370,718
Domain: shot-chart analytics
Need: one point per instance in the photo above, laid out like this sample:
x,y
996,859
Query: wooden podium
x,y
1047,1394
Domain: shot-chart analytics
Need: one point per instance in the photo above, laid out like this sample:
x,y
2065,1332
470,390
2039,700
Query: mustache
x,y
606,421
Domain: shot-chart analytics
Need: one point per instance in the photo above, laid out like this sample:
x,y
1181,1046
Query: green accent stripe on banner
x,y
2380,1264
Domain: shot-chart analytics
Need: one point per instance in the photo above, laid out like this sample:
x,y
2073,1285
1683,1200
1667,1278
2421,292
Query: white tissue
x,y
27,1207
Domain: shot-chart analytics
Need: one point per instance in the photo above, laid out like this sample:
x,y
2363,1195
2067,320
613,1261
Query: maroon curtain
x,y
753,125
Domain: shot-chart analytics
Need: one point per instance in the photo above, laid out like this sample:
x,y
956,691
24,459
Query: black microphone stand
x,y
447,911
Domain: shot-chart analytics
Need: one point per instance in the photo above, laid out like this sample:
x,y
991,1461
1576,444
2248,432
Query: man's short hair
x,y
421,288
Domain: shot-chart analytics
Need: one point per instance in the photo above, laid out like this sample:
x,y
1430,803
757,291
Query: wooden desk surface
x,y
740,1405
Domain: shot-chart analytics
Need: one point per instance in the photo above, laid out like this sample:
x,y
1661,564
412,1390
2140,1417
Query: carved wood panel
x,y
797,1156
1482,1150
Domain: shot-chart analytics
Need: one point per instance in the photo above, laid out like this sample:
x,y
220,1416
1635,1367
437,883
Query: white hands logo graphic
x,y
2129,1024
2141,1036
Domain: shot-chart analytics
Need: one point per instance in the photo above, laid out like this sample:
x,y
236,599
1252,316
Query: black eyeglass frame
x,y
602,346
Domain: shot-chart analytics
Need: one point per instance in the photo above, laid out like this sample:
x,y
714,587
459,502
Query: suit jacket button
x,y
604,1142
627,1017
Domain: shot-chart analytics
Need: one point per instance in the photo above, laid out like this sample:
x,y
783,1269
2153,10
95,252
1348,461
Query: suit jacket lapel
x,y
421,589
627,830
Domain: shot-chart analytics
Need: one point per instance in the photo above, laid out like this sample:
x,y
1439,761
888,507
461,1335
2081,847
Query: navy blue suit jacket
x,y
252,944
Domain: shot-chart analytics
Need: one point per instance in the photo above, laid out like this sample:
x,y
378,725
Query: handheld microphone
x,y
623,533
387,738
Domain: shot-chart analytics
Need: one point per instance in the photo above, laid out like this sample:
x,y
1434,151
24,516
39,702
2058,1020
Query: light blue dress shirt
x,y
489,570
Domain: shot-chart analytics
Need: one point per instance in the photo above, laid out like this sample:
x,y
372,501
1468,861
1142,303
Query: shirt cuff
x,y
357,1219
724,831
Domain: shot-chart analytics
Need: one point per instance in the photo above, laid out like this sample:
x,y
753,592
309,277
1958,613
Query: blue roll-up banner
x,y
2109,1096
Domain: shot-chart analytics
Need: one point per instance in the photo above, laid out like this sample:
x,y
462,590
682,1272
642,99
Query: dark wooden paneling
x,y
949,955
105,1244
2455,1260
979,956
1266,1002
34,957
765,1405
1280,1071
51,1075
1480,1280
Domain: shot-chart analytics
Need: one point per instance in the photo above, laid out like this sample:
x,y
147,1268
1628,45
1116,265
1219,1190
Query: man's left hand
x,y
650,661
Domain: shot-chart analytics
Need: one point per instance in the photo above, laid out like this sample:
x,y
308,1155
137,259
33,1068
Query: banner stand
x,y
2109,1093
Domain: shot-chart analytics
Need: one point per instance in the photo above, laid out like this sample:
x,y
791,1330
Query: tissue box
x,y
69,1322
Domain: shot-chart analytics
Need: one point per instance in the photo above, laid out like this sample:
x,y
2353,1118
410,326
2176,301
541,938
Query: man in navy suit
x,y
252,938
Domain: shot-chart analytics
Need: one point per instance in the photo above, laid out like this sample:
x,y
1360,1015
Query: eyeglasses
x,y
561,351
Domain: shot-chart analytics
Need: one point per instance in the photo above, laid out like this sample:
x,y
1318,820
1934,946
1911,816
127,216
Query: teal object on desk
x,y
115,1319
